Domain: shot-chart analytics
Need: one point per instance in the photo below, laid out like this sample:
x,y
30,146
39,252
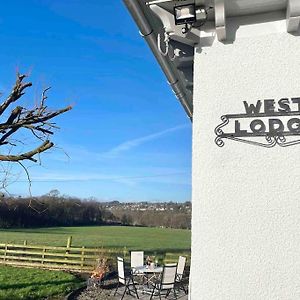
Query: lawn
x,y
149,239
18,283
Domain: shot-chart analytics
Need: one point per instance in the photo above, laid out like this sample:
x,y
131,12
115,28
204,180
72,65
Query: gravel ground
x,y
107,292
99,293
95,293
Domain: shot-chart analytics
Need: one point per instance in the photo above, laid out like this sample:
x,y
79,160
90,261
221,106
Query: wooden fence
x,y
71,258
76,259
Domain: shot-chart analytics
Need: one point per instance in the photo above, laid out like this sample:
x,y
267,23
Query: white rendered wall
x,y
246,199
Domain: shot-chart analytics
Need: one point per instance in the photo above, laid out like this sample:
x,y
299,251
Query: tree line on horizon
x,y
54,210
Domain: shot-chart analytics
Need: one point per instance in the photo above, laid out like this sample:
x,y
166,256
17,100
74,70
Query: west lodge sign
x,y
266,123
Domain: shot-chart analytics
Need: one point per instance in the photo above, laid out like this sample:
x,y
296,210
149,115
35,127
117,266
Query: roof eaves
x,y
149,26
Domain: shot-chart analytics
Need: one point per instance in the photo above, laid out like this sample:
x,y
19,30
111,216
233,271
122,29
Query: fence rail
x,y
77,259
70,258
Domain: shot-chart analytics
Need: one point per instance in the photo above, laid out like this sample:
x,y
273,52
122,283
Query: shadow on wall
x,y
233,24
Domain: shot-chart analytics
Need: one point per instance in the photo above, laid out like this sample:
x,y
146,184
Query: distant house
x,y
235,67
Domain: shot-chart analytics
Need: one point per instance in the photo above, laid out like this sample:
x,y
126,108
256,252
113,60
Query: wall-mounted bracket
x,y
220,19
293,15
175,32
166,18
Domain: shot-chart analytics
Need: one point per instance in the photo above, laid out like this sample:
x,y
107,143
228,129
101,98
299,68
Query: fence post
x,y
43,254
82,257
24,249
69,244
5,252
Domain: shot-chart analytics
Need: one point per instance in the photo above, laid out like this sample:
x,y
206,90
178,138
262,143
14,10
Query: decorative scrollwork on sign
x,y
283,143
219,132
271,142
266,128
218,129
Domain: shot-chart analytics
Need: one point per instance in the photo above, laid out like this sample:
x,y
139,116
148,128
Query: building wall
x,y
246,198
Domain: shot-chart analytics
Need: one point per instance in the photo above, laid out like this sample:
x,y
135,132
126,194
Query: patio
x,y
107,290
180,295
93,293
138,280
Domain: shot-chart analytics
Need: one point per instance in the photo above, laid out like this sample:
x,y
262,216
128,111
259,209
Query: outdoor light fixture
x,y
185,14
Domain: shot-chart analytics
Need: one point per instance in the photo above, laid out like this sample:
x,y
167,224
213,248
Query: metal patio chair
x,y
166,283
136,259
136,263
125,279
180,272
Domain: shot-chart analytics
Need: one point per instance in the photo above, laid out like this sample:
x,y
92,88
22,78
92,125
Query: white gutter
x,y
148,33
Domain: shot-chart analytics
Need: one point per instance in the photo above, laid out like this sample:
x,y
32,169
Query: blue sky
x,y
127,137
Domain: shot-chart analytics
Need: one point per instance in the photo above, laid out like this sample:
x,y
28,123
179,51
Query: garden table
x,y
150,274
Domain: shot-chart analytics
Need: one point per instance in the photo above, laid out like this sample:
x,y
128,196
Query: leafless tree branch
x,y
28,155
38,121
16,93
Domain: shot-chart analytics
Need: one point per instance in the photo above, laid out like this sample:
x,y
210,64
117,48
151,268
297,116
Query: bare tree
x,y
38,121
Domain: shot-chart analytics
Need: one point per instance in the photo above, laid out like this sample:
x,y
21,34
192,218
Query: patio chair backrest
x,y
136,259
180,267
168,276
121,271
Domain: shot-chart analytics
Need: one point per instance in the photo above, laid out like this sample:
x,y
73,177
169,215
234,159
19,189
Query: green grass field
x,y
150,239
17,283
